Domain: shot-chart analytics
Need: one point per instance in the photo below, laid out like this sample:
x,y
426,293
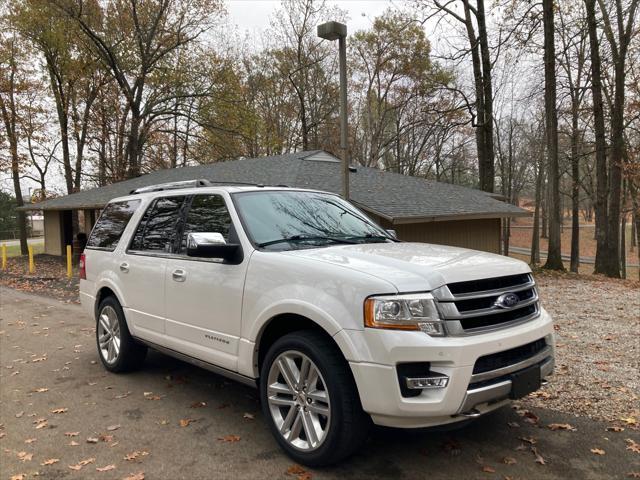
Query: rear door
x,y
203,295
142,267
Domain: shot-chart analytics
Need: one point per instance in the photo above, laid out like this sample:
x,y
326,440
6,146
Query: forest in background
x,y
531,100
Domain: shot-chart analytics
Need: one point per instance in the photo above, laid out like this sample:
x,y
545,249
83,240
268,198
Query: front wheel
x,y
118,350
310,400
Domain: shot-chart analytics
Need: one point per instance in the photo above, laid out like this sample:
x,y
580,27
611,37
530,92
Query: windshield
x,y
283,220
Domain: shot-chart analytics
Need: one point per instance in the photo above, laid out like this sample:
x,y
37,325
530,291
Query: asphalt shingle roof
x,y
390,195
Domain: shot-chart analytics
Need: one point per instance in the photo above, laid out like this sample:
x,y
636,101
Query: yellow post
x,y
4,256
32,266
69,269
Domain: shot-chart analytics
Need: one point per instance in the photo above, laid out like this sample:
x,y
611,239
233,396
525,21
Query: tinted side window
x,y
208,213
156,231
112,222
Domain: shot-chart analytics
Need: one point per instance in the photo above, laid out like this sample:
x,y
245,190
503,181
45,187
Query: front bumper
x,y
466,395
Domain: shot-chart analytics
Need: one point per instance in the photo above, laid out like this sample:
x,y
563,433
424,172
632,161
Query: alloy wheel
x,y
299,400
109,334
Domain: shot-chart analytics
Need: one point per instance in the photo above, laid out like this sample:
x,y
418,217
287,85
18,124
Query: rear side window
x,y
108,229
157,229
207,213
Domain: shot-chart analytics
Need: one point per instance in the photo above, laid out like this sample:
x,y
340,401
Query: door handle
x,y
124,267
179,275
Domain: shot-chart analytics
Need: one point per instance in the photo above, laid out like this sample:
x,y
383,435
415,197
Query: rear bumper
x,y
466,395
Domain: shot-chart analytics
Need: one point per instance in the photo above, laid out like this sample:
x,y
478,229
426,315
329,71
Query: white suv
x,y
297,292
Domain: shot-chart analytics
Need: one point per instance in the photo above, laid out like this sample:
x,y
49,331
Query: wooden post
x,y
32,266
69,262
4,257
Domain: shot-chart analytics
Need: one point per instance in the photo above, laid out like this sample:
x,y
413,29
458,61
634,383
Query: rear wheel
x,y
310,400
118,351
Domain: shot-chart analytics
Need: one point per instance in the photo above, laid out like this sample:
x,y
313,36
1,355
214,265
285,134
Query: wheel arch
x,y
280,325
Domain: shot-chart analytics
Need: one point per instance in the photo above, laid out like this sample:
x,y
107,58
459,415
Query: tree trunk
x,y
535,234
602,238
488,180
575,188
554,253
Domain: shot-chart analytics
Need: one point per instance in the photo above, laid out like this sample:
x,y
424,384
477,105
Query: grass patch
x,y
14,250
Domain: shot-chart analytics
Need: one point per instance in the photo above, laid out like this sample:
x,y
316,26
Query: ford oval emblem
x,y
507,300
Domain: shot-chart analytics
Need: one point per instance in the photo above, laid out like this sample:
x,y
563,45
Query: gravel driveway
x,y
597,326
63,416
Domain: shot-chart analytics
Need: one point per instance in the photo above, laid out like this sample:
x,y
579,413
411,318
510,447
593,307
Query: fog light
x,y
427,382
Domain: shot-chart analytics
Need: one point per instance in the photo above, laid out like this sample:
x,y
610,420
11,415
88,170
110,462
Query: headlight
x,y
404,312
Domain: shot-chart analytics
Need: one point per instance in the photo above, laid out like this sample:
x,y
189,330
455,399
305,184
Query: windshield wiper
x,y
302,238
371,236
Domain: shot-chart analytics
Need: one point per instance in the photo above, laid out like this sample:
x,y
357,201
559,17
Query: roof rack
x,y
173,186
192,184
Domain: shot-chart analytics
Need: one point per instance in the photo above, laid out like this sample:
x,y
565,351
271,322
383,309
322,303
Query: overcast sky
x,y
253,15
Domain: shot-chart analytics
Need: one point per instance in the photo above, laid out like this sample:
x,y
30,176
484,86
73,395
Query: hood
x,y
415,267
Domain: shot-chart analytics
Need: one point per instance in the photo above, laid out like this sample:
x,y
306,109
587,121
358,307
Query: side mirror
x,y
211,245
392,233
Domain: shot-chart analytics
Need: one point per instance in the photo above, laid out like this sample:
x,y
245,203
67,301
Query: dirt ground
x,y
64,416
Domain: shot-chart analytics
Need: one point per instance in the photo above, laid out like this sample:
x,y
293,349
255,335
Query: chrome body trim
x,y
251,382
497,391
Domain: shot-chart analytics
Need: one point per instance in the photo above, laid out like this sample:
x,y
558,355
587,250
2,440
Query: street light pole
x,y
338,31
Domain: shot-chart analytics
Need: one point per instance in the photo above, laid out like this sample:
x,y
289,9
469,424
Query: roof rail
x,y
172,186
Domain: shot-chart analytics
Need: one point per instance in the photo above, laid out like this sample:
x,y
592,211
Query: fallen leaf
x,y
134,476
71,434
529,440
92,440
41,425
19,476
133,456
19,414
51,461
186,421
30,440
509,461
633,474
513,424
112,428
630,420
561,426
488,469
106,468
81,464
615,429
106,438
597,451
249,416
73,443
59,410
530,417
198,404
25,457
632,445
295,470
230,438
539,458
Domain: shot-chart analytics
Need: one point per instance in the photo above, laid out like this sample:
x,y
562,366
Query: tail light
x,y
83,267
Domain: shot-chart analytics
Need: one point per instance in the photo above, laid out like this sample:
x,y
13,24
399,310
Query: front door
x,y
203,295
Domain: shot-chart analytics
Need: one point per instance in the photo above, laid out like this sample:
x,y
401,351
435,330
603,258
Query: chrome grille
x,y
470,307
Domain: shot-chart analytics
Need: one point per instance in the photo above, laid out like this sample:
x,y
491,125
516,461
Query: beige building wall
x,y
476,234
52,233
482,234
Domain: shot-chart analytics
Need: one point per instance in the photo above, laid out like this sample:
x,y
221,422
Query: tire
x,y
335,434
124,354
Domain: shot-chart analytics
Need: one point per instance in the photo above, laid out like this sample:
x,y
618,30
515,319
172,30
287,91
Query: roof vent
x,y
322,156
